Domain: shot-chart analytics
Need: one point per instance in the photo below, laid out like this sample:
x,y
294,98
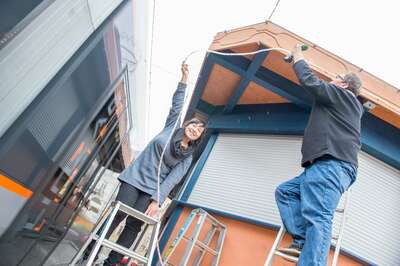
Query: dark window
x,y
16,14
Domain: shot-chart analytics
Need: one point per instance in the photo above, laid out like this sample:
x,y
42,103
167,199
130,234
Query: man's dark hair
x,y
354,83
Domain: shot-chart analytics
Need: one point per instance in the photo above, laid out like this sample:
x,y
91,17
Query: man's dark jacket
x,y
335,121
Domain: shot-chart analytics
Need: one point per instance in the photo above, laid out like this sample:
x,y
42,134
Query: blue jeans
x,y
307,204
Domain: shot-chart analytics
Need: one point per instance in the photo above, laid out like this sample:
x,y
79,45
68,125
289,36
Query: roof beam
x,y
283,118
244,82
261,76
200,85
267,79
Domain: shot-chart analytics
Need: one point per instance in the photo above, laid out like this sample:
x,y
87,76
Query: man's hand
x,y
185,73
297,53
153,209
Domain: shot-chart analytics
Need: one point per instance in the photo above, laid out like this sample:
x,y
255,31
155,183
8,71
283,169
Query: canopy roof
x,y
265,78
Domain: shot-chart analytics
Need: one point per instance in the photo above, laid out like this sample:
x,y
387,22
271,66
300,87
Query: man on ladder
x,y
330,147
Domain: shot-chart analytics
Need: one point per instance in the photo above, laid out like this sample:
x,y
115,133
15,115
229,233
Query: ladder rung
x,y
205,247
286,256
340,210
124,251
137,214
214,221
201,245
335,237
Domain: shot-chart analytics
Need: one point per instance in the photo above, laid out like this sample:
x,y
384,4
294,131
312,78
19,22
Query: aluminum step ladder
x,y
193,241
99,237
336,238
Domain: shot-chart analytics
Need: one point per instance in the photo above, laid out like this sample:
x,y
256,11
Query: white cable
x,y
177,120
158,182
151,65
273,11
287,52
238,54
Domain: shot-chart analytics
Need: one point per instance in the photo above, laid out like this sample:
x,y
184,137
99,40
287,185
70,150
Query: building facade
x,y
257,112
69,101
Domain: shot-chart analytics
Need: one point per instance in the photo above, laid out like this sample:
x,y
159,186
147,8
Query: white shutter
x,y
243,170
373,228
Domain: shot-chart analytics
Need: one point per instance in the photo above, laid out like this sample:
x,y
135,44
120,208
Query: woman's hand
x,y
185,73
153,209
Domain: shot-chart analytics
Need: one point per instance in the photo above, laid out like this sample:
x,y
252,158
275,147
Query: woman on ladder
x,y
139,180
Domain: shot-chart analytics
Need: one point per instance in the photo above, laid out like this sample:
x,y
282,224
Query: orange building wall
x,y
245,244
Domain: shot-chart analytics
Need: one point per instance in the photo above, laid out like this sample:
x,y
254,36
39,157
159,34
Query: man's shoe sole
x,y
290,251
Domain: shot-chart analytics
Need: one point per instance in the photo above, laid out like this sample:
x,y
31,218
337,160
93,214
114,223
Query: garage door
x,y
243,170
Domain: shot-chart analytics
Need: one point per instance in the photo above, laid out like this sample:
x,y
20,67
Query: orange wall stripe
x,y
10,185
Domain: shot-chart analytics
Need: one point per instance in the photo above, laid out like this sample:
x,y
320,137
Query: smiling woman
x,y
147,182
194,131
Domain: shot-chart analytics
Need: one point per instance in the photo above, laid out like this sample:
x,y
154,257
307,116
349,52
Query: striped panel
x,y
240,177
53,113
374,212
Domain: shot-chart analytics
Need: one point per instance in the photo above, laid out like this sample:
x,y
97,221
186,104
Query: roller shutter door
x,y
243,170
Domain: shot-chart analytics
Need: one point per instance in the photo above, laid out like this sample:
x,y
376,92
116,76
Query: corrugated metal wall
x,y
242,172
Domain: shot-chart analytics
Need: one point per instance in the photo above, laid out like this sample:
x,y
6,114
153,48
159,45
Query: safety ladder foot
x,y
194,242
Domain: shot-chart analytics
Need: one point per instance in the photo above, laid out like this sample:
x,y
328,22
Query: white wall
x,y
142,15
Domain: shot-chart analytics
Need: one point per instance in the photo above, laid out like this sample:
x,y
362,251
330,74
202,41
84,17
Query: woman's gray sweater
x,y
142,173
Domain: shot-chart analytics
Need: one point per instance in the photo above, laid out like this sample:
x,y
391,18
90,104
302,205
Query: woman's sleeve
x,y
173,178
177,105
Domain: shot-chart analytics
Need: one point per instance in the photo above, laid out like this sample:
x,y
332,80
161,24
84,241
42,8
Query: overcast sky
x,y
363,32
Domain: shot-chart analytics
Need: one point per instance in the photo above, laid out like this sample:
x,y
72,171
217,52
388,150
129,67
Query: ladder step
x,y
96,234
124,251
137,214
215,222
201,245
335,238
286,256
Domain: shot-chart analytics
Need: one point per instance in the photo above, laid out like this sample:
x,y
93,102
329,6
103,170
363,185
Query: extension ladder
x,y
336,238
100,240
193,241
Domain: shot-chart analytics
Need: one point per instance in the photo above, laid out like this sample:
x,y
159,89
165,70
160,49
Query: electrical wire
x,y
279,49
180,114
273,10
151,61
169,72
237,54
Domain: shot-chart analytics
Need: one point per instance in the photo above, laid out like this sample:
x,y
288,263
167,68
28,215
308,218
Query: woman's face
x,y
194,131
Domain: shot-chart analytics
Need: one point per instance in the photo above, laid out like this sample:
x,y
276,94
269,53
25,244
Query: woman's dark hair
x,y
196,121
